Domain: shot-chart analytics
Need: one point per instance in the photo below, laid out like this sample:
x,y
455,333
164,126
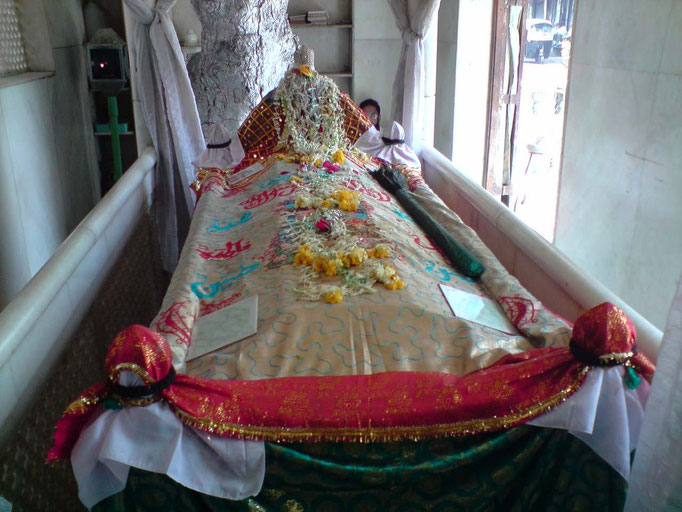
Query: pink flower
x,y
330,167
323,225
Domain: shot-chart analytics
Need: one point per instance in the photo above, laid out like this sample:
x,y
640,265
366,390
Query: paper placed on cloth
x,y
223,327
481,310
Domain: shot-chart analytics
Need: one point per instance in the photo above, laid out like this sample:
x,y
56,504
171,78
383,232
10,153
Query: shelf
x,y
336,74
321,25
108,134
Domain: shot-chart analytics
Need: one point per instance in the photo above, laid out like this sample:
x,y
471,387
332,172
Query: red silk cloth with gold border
x,y
389,406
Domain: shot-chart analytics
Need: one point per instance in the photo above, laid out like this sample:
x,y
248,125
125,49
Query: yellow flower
x,y
339,157
304,256
332,267
380,251
355,257
333,297
327,203
307,70
320,264
395,284
296,179
317,163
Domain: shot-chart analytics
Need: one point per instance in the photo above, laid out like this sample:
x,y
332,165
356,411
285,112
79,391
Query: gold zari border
x,y
381,434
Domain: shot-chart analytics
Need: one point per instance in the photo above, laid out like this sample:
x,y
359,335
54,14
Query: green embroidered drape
x,y
522,469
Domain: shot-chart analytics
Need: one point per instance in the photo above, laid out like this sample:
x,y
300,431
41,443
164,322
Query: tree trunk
x,y
246,47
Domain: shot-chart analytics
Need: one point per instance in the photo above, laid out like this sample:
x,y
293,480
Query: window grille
x,y
12,54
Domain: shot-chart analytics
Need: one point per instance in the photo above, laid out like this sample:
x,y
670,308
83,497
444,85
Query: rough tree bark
x,y
246,47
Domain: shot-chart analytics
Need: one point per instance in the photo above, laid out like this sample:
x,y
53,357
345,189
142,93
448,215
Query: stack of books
x,y
297,18
317,17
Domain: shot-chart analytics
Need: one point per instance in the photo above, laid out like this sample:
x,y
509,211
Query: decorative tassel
x,y
631,378
112,404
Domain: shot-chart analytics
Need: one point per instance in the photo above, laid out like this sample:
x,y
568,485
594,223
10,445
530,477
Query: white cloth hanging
x,y
372,142
604,414
656,481
154,439
171,116
222,151
413,18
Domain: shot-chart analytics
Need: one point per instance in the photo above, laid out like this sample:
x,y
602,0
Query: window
x,y
12,54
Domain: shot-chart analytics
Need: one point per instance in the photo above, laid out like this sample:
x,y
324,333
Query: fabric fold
x,y
171,116
152,438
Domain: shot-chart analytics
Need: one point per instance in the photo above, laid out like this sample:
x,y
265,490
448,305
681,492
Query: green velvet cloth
x,y
522,469
393,181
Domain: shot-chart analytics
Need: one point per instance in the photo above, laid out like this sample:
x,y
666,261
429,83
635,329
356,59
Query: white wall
x,y
184,19
376,51
49,178
620,200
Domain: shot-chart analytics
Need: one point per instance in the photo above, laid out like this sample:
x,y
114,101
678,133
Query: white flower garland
x,y
313,119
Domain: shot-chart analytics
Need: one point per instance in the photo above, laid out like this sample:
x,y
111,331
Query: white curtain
x,y
656,478
172,118
413,17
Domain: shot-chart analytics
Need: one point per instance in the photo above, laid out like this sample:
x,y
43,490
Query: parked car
x,y
539,38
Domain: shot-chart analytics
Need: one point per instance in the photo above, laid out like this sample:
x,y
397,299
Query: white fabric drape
x,y
656,481
604,414
172,118
372,143
220,157
154,439
413,18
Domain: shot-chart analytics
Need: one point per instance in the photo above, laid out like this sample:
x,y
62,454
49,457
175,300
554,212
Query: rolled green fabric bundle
x,y
392,181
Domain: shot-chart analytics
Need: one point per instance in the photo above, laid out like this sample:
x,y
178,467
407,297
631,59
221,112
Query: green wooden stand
x,y
115,140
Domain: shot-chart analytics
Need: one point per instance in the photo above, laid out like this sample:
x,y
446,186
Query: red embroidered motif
x,y
206,307
268,195
428,245
230,251
519,310
172,322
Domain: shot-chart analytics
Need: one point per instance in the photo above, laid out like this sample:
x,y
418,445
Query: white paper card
x,y
477,309
244,173
223,327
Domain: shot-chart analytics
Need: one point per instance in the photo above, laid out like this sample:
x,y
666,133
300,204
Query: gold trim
x,y
81,404
130,367
383,434
618,357
136,402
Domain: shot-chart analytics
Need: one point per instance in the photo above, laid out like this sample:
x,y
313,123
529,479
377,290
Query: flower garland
x,y
312,115
331,260
327,251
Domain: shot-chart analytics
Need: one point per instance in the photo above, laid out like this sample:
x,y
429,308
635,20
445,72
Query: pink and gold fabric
x,y
389,406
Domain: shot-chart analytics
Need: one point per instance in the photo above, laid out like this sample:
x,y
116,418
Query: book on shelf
x,y
311,18
317,17
297,18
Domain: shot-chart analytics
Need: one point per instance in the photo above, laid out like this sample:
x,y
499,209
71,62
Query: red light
x,y
102,64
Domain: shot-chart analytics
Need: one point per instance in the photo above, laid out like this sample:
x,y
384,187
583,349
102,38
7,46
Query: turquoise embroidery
x,y
444,274
401,214
215,228
275,181
207,291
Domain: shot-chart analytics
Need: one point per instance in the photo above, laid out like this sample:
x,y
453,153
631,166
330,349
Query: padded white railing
x,y
36,325
539,265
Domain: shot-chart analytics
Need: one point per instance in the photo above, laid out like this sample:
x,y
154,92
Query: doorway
x,y
531,56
